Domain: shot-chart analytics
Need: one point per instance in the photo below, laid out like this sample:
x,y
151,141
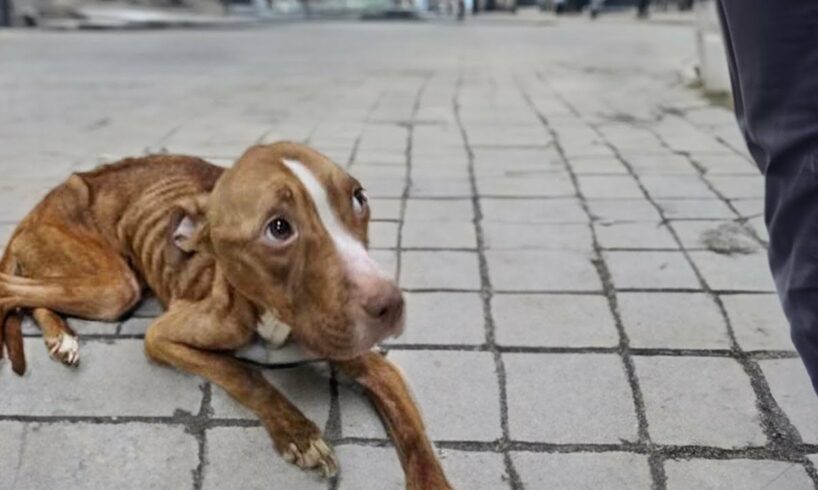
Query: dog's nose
x,y
385,306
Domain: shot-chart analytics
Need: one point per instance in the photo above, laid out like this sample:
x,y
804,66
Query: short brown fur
x,y
94,242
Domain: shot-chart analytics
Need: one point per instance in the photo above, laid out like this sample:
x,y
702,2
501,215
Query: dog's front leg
x,y
390,394
187,336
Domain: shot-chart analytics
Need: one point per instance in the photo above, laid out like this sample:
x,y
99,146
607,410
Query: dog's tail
x,y
11,331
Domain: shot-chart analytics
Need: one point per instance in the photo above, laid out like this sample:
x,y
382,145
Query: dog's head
x,y
289,229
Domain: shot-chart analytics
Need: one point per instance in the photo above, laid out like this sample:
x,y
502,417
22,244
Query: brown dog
x,y
277,242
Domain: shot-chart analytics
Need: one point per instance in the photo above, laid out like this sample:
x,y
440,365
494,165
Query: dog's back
x,y
126,204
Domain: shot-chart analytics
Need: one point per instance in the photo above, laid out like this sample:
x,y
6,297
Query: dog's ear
x,y
188,226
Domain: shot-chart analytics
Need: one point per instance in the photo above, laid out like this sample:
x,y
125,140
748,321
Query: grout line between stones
x,y
783,437
486,293
654,460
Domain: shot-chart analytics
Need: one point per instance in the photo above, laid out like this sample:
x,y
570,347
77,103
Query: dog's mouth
x,y
366,339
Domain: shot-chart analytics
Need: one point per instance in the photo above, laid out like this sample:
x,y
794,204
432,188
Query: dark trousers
x,y
772,47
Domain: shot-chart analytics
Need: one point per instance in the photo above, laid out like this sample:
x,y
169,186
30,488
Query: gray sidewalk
x,y
579,233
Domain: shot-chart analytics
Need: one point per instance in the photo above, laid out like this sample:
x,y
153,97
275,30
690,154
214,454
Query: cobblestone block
x,y
89,455
553,321
699,401
569,404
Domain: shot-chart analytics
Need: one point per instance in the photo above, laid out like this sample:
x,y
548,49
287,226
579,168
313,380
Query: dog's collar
x,y
262,353
271,347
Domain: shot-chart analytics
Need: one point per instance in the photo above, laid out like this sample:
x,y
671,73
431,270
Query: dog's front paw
x,y
64,348
316,454
300,442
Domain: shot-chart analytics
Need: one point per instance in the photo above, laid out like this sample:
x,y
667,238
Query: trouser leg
x,y
774,72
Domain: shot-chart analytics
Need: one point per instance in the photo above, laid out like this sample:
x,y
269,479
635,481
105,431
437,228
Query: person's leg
x,y
774,71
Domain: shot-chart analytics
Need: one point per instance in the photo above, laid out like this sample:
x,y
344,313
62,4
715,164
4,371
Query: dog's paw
x,y
315,454
64,348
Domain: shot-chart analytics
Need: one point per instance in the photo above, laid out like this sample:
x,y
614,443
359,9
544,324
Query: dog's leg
x,y
66,271
390,394
185,336
60,340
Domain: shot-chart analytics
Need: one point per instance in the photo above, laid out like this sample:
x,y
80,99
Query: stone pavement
x,y
578,232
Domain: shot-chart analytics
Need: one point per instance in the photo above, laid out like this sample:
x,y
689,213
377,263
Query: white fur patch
x,y
66,348
273,330
351,249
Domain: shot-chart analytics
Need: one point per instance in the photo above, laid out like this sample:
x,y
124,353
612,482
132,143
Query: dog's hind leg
x,y
64,272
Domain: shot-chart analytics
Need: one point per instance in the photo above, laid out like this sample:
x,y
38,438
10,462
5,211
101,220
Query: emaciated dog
x,y
276,243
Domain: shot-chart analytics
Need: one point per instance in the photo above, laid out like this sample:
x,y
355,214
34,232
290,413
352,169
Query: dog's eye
x,y
359,201
279,230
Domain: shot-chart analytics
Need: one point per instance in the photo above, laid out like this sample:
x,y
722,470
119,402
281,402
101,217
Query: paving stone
x,y
719,236
486,158
699,401
473,470
758,321
358,463
384,188
580,471
676,186
243,457
738,186
790,386
384,209
136,326
104,384
725,164
435,187
759,226
708,474
553,320
306,387
541,270
650,270
749,207
559,210
440,269
493,135
597,166
695,321
635,235
443,318
734,272
358,417
457,392
83,455
695,209
661,164
609,187
498,235
446,210
551,185
569,405
383,234
623,210
423,234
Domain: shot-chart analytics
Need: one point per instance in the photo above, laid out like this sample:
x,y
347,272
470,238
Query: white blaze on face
x,y
358,262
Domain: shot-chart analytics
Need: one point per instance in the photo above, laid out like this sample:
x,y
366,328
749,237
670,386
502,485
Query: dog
x,y
275,245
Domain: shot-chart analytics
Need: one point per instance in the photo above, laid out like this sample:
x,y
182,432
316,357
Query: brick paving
x,y
578,232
